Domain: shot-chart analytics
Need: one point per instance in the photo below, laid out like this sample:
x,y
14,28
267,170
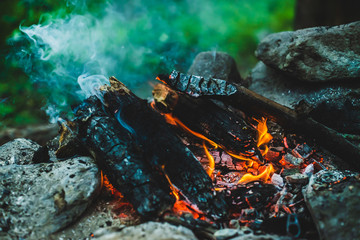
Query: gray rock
x,y
346,108
147,231
19,151
217,65
326,99
314,54
287,91
297,178
245,233
289,158
39,199
333,200
109,212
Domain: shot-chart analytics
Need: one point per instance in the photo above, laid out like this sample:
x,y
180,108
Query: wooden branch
x,y
257,105
163,149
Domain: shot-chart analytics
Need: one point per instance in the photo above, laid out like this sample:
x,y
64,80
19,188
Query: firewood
x,y
163,149
121,160
259,106
225,128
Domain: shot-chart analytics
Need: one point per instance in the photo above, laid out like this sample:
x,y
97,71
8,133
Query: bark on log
x,y
163,149
121,160
225,128
258,106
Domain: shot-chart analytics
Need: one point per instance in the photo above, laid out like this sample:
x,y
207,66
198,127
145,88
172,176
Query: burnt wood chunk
x,y
120,159
198,86
163,149
201,115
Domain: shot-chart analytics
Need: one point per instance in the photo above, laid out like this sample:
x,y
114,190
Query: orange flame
x,y
211,168
264,176
171,118
174,190
263,136
159,79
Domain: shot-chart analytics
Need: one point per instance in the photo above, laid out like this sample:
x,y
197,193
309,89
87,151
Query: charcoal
x,y
121,160
198,86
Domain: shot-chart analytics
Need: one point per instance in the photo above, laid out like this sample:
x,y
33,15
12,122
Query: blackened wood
x,y
201,115
163,149
198,86
121,161
258,106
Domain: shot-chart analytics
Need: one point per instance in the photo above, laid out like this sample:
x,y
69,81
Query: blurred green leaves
x,y
160,35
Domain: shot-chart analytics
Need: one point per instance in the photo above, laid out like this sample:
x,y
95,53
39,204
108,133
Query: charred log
x,y
163,149
121,160
205,117
259,106
198,86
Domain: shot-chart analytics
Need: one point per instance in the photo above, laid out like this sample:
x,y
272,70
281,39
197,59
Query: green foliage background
x,y
233,26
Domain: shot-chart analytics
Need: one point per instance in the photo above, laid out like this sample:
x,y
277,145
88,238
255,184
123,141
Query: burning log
x,y
163,150
259,106
121,160
222,128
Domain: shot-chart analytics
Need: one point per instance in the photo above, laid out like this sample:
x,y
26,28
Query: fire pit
x,y
205,158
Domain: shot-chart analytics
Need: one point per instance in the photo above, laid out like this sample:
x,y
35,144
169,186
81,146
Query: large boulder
x,y
333,200
149,230
327,99
314,54
20,151
39,199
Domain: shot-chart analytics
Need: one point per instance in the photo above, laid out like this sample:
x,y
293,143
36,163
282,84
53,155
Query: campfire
x,y
195,161
205,156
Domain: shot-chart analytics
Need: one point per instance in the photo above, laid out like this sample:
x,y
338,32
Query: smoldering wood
x,y
203,116
163,149
121,160
259,106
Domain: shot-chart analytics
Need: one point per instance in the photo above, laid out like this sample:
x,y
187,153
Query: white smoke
x,y
133,40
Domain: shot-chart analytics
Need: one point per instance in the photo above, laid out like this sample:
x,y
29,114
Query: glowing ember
x,y
182,207
264,176
105,183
